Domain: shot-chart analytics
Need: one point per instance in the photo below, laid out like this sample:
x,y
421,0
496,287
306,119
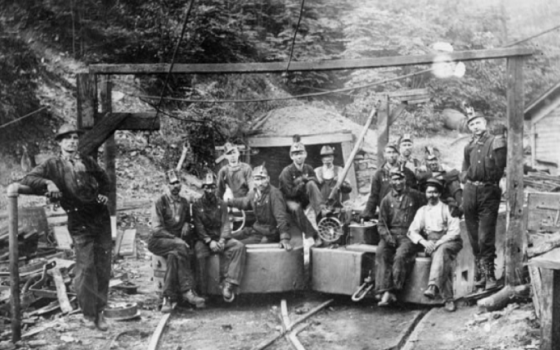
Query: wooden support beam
x,y
286,141
93,139
110,153
347,148
138,121
514,247
87,99
382,130
330,65
12,193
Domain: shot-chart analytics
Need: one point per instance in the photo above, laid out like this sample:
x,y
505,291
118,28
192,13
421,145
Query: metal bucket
x,y
363,233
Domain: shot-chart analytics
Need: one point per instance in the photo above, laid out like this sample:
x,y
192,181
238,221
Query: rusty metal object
x,y
121,312
363,233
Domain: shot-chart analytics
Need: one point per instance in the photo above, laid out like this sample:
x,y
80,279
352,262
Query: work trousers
x,y
232,259
249,235
441,270
179,277
306,218
91,234
394,263
481,205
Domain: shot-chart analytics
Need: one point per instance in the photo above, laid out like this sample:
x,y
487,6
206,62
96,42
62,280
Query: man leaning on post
x,y
82,187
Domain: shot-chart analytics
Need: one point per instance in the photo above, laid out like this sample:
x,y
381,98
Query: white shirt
x,y
434,218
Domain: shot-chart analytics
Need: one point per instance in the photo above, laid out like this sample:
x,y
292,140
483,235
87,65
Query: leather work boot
x,y
431,292
490,277
101,322
479,275
193,299
387,299
166,306
227,292
89,323
450,306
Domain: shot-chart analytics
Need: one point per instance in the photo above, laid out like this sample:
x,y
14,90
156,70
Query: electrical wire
x,y
533,37
291,97
21,118
295,35
187,14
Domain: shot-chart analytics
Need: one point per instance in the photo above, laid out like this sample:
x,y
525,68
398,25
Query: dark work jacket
x,y
269,209
485,159
397,212
239,180
79,188
211,220
292,184
164,224
381,185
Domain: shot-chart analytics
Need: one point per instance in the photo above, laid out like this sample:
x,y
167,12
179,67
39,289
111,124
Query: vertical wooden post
x,y
550,317
514,175
14,260
347,148
382,129
110,152
87,100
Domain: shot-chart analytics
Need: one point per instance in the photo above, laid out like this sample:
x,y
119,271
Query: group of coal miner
x,y
187,234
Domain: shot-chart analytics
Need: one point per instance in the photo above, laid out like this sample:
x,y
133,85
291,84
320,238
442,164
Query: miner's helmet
x,y
431,153
435,183
229,147
260,171
405,138
172,176
397,171
66,129
393,146
208,180
297,146
472,114
327,150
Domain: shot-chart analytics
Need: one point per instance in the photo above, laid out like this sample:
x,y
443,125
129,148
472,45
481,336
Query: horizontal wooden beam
x,y
330,65
286,141
138,121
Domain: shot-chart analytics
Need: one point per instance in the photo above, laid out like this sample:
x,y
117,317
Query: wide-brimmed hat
x,y
229,147
435,182
327,150
66,129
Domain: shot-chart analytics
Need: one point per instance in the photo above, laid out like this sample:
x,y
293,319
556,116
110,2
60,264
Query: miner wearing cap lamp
x,y
171,229
381,180
236,175
483,166
213,228
81,186
327,176
405,148
395,251
299,185
439,233
266,201
452,193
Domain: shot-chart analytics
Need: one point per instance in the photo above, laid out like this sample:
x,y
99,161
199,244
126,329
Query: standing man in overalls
x,y
327,176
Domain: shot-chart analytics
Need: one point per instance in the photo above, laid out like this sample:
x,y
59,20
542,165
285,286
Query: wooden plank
x,y
93,139
62,237
514,244
330,65
351,176
286,141
533,145
15,303
538,217
128,243
550,314
139,121
382,130
86,85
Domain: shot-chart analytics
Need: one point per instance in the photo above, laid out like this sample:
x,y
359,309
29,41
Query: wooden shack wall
x,y
547,137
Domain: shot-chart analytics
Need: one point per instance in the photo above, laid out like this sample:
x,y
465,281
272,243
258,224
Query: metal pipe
x,y
12,192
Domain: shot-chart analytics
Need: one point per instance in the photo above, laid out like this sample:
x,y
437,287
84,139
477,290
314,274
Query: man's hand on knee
x,y
284,243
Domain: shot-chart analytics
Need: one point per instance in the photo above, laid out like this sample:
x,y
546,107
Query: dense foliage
x,y
132,31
